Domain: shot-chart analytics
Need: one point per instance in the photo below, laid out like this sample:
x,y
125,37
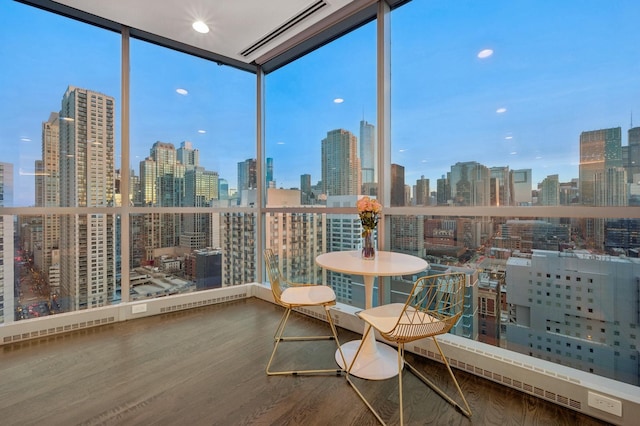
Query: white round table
x,y
376,361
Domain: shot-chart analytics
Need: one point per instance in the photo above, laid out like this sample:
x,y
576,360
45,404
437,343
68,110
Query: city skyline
x,y
523,106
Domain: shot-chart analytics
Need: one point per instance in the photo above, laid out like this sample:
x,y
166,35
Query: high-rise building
x,y
247,175
522,182
223,189
549,194
201,190
188,156
270,182
633,154
599,150
344,232
368,157
470,184
443,190
6,245
408,235
340,163
397,186
306,193
564,308
238,263
162,179
502,186
422,192
87,240
48,193
296,238
162,176
600,178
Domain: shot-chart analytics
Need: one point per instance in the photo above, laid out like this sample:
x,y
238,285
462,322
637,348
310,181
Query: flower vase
x,y
368,249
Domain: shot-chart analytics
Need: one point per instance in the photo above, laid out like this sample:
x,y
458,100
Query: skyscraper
x,y
368,157
162,182
600,178
87,240
247,174
48,192
422,192
522,185
305,189
633,160
340,163
188,156
201,190
550,191
443,190
599,150
503,178
470,184
270,182
397,186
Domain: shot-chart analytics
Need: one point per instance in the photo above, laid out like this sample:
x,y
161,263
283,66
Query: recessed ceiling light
x,y
182,91
338,100
501,110
200,27
485,53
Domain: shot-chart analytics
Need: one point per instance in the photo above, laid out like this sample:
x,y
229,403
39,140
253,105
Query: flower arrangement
x,y
368,210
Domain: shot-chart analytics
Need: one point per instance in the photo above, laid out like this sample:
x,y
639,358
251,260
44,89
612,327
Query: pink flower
x,y
368,210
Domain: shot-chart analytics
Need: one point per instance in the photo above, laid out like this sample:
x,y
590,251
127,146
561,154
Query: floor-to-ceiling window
x,y
513,138
185,217
193,156
321,150
60,144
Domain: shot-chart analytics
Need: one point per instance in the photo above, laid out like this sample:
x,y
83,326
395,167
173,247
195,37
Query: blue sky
x,y
558,68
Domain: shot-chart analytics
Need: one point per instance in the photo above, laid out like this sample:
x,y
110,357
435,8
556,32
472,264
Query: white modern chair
x,y
433,308
294,295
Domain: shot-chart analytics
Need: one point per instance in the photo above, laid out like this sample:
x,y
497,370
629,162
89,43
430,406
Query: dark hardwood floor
x,y
206,366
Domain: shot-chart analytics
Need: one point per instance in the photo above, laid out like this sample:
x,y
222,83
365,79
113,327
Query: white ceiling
x,y
235,24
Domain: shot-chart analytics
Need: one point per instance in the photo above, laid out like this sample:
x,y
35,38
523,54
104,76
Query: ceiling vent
x,y
295,20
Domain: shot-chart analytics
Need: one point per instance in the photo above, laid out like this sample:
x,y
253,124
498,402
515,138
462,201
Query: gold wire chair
x,y
433,308
294,295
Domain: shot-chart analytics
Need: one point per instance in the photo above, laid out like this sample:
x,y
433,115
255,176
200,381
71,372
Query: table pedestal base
x,y
377,363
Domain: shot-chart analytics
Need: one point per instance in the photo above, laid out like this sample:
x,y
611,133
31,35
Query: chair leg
x,y
353,385
335,335
279,337
283,320
465,410
400,362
